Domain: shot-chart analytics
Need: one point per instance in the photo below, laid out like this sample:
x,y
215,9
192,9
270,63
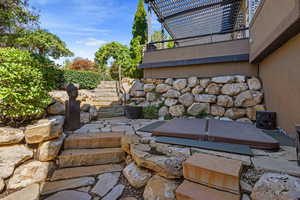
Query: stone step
x,y
193,191
106,98
108,90
76,172
110,114
101,104
213,171
112,109
106,94
93,140
87,157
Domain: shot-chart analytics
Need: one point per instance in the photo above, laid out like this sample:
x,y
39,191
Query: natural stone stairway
x,y
107,100
84,158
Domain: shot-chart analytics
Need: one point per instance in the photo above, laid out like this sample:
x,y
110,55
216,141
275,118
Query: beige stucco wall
x,y
204,70
280,73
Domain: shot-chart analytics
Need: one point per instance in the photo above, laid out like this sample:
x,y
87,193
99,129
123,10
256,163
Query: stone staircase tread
x,y
189,190
93,140
75,172
88,157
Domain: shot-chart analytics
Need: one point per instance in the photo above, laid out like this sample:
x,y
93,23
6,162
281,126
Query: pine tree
x,y
140,23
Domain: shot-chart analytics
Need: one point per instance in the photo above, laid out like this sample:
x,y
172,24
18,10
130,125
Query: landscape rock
x,y
136,86
150,96
162,88
248,98
93,112
149,87
223,79
225,101
169,167
2,185
85,117
245,187
177,110
11,156
89,128
56,186
169,81
160,188
205,98
193,81
186,99
234,88
245,197
254,83
204,82
105,183
10,135
170,102
185,90
276,186
197,90
251,113
197,108
44,129
171,94
213,88
70,195
179,84
58,108
245,120
136,176
235,113
138,93
217,111
115,193
163,111
49,150
29,173
32,192
85,107
240,78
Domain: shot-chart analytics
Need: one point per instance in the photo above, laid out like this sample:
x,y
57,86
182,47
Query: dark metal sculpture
x,y
72,121
266,120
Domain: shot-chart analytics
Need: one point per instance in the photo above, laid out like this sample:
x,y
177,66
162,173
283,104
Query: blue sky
x,y
85,25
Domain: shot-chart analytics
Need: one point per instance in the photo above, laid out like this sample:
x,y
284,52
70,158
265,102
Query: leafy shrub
x,y
23,92
150,112
86,79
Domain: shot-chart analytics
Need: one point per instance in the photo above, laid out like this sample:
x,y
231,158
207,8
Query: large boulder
x,y
186,99
10,135
162,88
169,81
248,98
225,101
205,98
171,94
217,111
11,156
136,86
223,79
149,87
177,110
213,88
234,89
32,192
163,165
204,82
49,150
276,187
163,111
29,173
197,90
197,108
44,129
170,102
2,185
136,176
151,96
254,83
85,117
159,188
179,84
235,113
58,108
193,81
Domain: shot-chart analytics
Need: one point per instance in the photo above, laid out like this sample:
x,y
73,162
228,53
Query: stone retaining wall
x,y
234,97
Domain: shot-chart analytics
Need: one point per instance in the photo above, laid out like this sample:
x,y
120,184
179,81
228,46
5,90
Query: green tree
x,y
140,23
43,43
136,53
157,36
120,53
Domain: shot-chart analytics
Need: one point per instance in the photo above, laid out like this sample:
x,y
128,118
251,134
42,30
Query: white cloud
x,y
91,42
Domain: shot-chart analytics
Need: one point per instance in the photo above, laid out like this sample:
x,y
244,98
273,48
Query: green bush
x,y
86,79
150,112
23,91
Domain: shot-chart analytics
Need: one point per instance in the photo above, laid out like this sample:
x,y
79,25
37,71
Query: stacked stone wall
x,y
228,97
